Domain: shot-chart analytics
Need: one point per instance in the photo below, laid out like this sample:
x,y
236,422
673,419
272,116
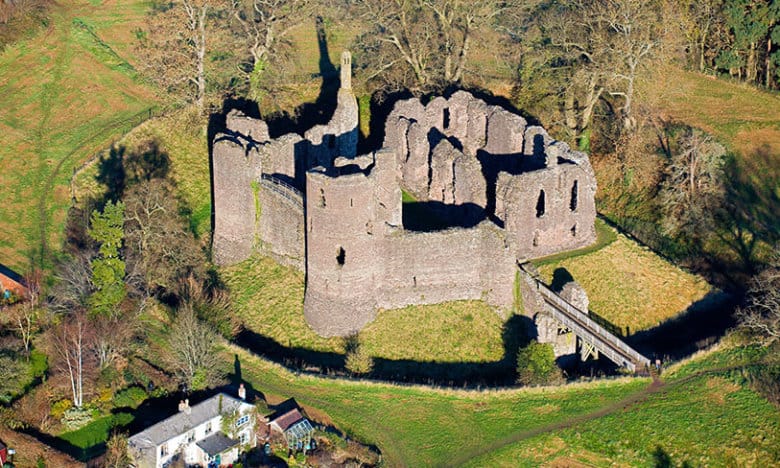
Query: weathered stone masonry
x,y
508,190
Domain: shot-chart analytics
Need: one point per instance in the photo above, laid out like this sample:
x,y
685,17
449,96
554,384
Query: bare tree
x,y
421,43
160,247
265,26
762,313
631,33
694,186
25,316
192,346
112,337
71,341
176,43
74,285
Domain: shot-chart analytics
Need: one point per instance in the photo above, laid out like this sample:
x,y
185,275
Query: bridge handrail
x,y
618,349
282,188
600,331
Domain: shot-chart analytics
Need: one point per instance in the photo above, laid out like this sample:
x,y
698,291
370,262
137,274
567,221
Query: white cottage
x,y
195,434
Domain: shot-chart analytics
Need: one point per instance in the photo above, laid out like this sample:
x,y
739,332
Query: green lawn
x,y
710,420
66,92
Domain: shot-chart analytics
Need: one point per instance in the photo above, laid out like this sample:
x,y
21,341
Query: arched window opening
x,y
574,193
536,239
322,198
574,231
341,256
540,204
446,120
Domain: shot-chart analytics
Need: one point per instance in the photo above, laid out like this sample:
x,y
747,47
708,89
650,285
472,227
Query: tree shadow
x,y
700,326
750,215
122,168
662,459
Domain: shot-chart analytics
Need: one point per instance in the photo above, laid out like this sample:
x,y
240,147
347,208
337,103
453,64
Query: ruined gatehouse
x,y
503,191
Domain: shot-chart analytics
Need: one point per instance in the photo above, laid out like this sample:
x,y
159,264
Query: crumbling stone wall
x,y
310,201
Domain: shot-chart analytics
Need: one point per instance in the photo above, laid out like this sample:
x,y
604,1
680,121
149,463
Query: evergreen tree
x,y
108,268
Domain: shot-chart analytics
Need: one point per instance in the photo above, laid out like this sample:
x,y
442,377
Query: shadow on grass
x,y
517,332
701,325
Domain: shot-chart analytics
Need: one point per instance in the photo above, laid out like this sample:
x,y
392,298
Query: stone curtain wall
x,y
510,192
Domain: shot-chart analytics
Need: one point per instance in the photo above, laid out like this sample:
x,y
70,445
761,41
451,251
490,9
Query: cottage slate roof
x,y
185,421
216,443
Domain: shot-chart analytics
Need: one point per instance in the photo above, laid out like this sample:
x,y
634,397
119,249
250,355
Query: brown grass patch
x,y
546,409
718,388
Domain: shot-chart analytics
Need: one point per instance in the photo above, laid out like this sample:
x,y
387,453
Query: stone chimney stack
x,y
346,70
184,406
242,392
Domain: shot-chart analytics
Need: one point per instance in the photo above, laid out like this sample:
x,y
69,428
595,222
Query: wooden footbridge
x,y
594,337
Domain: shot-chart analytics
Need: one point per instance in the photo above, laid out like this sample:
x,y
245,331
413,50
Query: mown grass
x,y
66,93
419,426
92,437
711,420
629,285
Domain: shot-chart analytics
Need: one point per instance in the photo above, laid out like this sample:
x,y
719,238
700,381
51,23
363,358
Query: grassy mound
x,y
710,419
630,286
269,299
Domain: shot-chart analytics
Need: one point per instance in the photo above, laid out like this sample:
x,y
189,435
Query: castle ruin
x,y
504,191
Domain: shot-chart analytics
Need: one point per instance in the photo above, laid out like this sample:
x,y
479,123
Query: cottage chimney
x,y
187,408
182,407
242,392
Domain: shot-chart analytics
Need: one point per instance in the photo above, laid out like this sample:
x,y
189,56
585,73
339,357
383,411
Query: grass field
x,y
707,419
65,93
711,420
743,117
419,426
629,285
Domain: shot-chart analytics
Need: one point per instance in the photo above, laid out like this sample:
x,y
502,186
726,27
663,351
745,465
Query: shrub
x,y
130,397
536,365
357,361
59,407
75,418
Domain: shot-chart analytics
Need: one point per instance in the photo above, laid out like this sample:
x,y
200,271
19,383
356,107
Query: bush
x,y
357,361
536,365
75,418
59,407
130,397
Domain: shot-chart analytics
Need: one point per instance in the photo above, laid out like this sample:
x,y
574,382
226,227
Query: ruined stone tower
x,y
503,192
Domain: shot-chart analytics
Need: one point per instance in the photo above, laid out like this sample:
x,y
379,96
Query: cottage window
x,y
243,438
190,436
208,428
163,450
242,420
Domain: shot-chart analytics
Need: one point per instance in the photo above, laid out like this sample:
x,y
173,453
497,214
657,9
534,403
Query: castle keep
x,y
501,191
